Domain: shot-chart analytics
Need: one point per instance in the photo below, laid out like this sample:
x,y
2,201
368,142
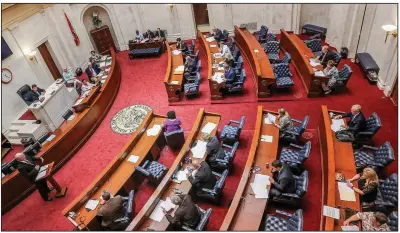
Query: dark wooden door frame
x,y
48,59
200,13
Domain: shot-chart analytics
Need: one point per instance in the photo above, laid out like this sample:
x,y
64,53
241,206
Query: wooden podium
x,y
61,192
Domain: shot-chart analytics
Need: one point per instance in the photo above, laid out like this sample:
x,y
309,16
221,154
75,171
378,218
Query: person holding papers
x,y
285,122
357,120
187,213
92,71
224,49
138,36
333,74
326,56
202,176
111,208
368,183
181,45
370,221
284,182
214,150
171,124
27,168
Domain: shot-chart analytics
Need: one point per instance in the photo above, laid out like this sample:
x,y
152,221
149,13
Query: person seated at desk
x,y
190,65
27,168
229,73
285,122
228,58
326,56
357,120
216,33
69,77
148,35
181,45
214,150
92,71
86,87
224,49
201,176
95,56
368,183
34,94
138,36
186,214
370,221
171,124
284,182
332,72
159,34
111,208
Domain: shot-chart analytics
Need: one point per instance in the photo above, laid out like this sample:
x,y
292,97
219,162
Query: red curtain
x,y
76,38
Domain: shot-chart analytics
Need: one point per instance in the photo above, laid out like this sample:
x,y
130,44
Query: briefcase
x,y
344,136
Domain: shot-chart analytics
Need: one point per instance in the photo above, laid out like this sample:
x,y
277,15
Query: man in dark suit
x,y
181,45
284,182
217,33
357,120
160,34
34,94
326,56
202,176
111,208
92,71
187,213
27,167
148,35
214,150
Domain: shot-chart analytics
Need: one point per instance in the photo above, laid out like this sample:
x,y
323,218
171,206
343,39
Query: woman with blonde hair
x,y
368,183
333,74
285,122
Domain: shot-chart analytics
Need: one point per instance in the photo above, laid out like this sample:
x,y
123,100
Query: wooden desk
x,y
69,138
245,212
173,90
142,221
259,62
210,48
150,44
336,157
118,175
300,54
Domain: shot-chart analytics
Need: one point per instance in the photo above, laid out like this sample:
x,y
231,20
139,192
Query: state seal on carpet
x,y
128,119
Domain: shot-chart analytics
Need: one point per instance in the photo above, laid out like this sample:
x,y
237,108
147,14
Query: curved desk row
x,y
69,137
118,176
259,62
142,221
173,80
300,53
211,48
336,157
245,212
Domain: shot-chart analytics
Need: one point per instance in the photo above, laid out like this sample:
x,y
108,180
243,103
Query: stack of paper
x,y
181,175
218,77
42,168
103,58
51,137
331,212
210,39
176,52
270,119
336,124
350,228
208,128
91,204
168,205
175,82
133,158
199,150
179,70
213,45
319,73
71,117
314,63
157,214
266,138
40,175
154,130
259,186
217,55
345,192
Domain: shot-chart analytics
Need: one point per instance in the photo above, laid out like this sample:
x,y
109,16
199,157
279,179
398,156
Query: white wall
x,y
315,14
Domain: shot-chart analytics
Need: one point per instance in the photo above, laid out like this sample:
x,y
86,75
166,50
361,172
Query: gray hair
x,y
356,107
176,200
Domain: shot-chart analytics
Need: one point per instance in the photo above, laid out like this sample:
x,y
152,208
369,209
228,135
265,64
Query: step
x,y
12,135
22,122
14,128
15,141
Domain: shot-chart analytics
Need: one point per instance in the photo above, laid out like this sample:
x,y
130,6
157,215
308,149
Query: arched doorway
x,y
103,35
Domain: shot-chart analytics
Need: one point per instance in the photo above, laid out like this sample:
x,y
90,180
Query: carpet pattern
x,y
128,119
142,83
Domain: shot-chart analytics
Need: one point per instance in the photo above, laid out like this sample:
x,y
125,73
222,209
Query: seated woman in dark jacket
x,y
172,123
214,150
368,183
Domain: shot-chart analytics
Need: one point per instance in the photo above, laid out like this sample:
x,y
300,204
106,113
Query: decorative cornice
x,y
13,13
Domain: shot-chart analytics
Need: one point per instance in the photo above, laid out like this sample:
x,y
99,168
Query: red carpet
x,y
142,83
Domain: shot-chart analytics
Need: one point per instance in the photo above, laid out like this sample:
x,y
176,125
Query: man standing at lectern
x,y
27,167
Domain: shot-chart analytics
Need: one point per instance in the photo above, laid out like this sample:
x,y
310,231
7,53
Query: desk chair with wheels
x,y
393,221
231,132
226,162
205,215
373,125
301,189
153,170
22,91
215,194
295,159
295,134
374,157
291,222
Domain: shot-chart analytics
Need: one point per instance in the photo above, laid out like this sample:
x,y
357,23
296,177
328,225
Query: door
x,y
49,61
201,13
395,93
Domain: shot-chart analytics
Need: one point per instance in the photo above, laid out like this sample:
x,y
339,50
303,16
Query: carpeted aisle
x,y
142,83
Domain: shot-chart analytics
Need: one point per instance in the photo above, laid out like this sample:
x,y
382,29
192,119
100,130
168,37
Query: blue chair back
x,y
295,222
273,47
385,154
305,152
345,72
389,190
272,37
263,30
236,54
281,70
302,184
219,186
336,57
373,123
393,221
286,58
315,45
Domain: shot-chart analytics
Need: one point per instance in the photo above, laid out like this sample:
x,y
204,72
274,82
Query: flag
x,y
76,38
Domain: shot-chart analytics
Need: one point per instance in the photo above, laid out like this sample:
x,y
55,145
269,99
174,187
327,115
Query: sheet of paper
x,y
336,124
213,45
266,138
199,150
71,117
181,176
104,77
103,81
346,193
157,214
210,39
256,50
154,130
269,119
179,70
175,82
78,102
168,205
133,158
319,74
41,174
51,137
176,52
314,62
91,204
218,77
259,191
261,179
42,168
331,212
350,228
208,128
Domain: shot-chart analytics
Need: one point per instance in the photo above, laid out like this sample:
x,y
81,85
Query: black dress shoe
x,y
50,189
49,199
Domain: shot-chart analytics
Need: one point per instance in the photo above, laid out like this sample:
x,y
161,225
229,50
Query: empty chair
x,y
262,34
236,55
128,206
202,226
192,87
295,159
387,194
215,194
175,139
238,64
374,157
315,45
393,221
195,56
316,36
285,59
190,50
336,57
283,75
294,199
226,162
272,37
189,78
225,35
22,91
344,76
153,170
67,114
238,85
272,50
294,135
373,126
231,132
291,222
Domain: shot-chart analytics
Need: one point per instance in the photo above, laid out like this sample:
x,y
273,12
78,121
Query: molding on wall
x,y
17,12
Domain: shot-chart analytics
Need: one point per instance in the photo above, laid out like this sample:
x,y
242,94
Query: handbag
x,y
345,136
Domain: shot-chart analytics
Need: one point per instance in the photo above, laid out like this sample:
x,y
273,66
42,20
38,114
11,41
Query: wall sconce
x,y
31,55
171,6
390,30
